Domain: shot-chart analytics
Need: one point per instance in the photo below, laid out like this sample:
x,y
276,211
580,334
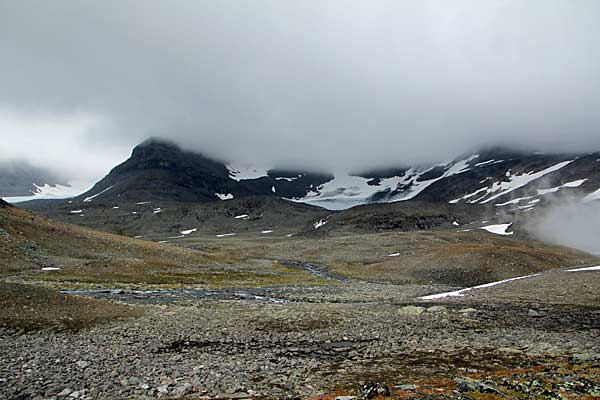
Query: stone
x,y
407,387
510,350
411,310
345,398
437,309
163,389
535,314
467,310
584,357
182,390
472,385
82,364
65,393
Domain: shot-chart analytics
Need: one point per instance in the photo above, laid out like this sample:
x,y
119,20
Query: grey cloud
x,y
325,84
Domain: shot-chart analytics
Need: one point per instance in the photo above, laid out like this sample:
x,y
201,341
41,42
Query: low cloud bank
x,y
572,224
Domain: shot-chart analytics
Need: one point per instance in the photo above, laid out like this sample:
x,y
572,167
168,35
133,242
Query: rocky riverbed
x,y
310,342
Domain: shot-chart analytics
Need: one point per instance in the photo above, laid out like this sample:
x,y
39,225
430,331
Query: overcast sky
x,y
328,84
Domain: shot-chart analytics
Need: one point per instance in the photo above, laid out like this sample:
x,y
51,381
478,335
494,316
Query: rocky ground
x,y
313,341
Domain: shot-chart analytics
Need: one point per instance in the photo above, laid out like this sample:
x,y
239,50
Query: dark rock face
x,y
160,170
4,204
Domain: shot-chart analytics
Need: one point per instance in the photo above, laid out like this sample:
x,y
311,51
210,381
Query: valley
x,y
285,308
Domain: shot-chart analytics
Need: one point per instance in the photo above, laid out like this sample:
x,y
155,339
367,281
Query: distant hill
x,y
19,178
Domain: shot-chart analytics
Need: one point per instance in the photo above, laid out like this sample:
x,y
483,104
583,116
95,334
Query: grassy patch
x,y
27,307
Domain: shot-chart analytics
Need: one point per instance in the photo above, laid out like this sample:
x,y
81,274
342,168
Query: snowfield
x,y
345,190
48,192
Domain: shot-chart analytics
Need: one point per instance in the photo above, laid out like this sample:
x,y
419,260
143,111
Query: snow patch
x,y
584,269
573,184
284,178
242,172
243,216
76,211
487,163
518,181
48,192
345,190
514,201
187,232
320,223
51,269
224,196
225,235
592,196
393,255
88,199
498,229
463,291
267,231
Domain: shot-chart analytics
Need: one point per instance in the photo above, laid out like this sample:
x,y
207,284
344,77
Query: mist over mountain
x,y
20,178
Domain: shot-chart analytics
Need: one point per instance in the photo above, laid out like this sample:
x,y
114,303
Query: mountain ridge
x,y
159,170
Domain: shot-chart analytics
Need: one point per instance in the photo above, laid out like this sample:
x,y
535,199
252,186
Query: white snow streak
x,y
584,269
88,199
463,291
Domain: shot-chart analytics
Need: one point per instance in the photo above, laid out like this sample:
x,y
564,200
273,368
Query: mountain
x,y
161,171
19,178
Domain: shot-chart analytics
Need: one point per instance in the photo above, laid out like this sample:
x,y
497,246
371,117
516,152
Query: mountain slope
x,y
159,170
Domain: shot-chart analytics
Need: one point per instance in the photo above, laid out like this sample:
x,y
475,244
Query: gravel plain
x,y
311,341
